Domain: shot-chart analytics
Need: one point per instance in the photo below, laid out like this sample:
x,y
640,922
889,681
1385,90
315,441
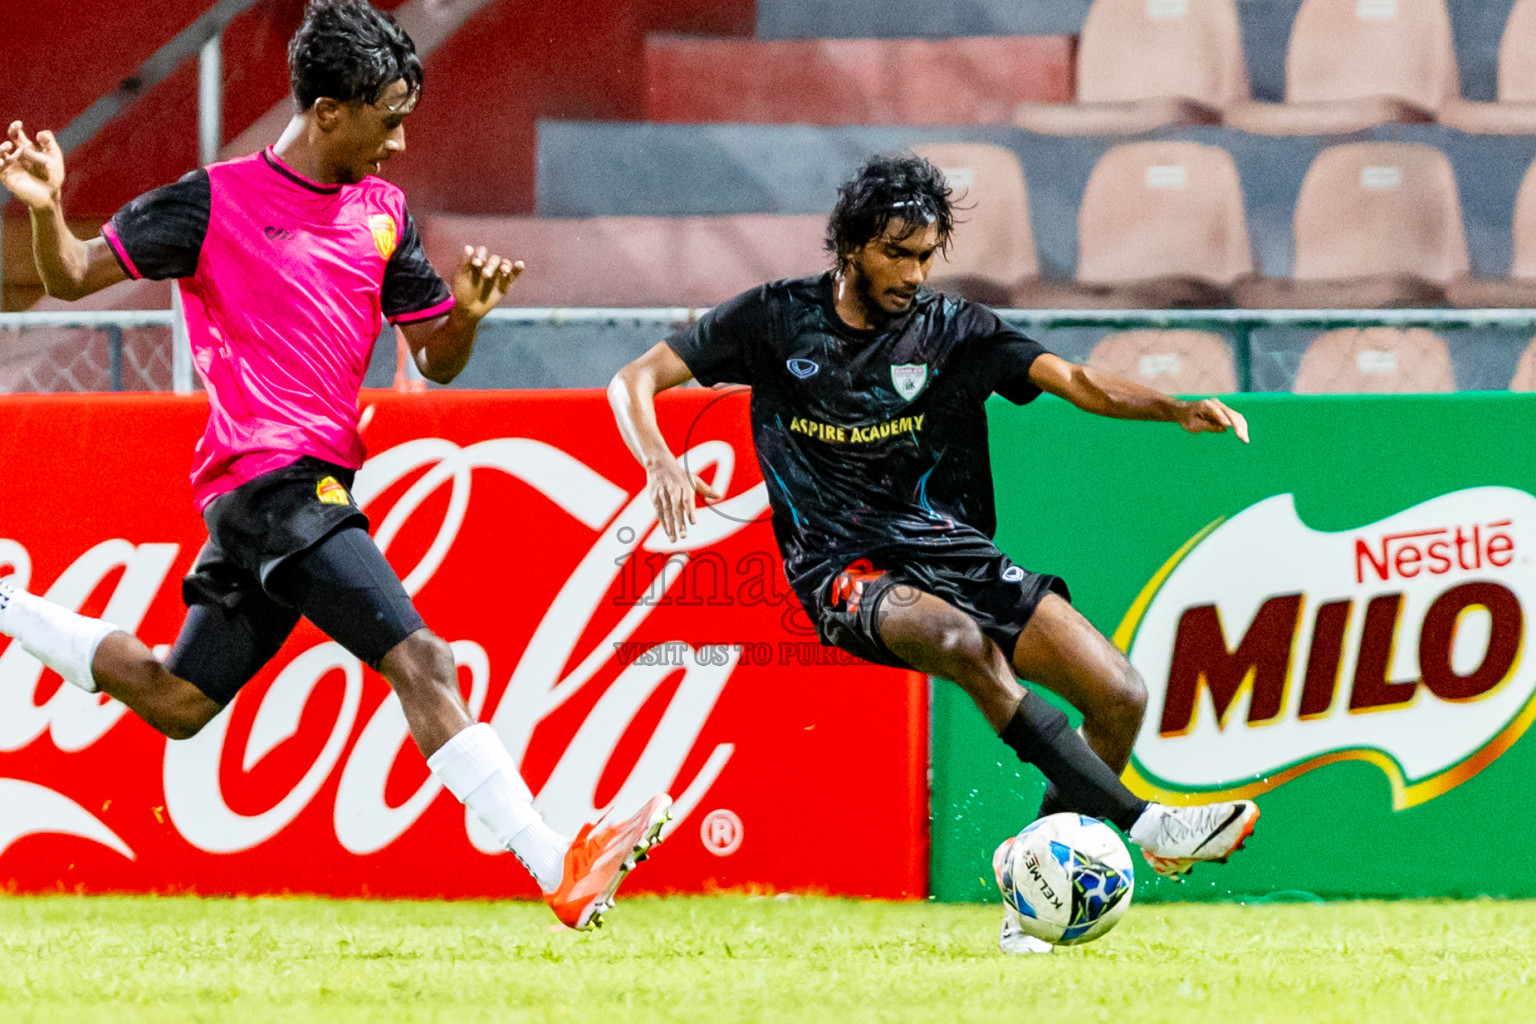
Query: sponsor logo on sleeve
x,y
331,492
1273,649
803,368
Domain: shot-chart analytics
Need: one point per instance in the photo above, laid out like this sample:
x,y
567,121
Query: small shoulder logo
x,y
278,234
330,491
1013,574
803,368
909,378
382,225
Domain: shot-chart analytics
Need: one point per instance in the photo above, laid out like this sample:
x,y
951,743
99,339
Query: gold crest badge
x,y
385,236
330,491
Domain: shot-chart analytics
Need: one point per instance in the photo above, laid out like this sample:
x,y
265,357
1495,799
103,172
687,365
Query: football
x,y
1069,877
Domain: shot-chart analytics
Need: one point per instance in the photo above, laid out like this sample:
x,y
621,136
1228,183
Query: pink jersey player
x,y
288,262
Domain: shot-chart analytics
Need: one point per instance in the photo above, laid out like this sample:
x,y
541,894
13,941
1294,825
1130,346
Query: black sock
x,y
1040,735
1053,802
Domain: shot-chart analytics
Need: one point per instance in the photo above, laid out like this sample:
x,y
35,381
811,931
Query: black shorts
x,y
289,543
1000,595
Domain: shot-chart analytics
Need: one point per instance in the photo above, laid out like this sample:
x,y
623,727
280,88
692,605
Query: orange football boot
x,y
599,858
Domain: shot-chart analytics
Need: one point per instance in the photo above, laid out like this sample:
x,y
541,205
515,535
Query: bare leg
x,y
420,669
934,637
1061,651
127,670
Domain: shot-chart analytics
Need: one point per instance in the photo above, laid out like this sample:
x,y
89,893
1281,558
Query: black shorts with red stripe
x,y
997,593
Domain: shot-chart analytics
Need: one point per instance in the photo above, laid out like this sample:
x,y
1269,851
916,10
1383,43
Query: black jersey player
x,y
868,416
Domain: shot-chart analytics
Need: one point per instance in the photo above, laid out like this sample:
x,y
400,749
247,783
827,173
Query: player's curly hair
x,y
349,52
888,187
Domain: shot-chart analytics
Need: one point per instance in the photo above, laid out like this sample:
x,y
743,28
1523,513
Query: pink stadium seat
x,y
1355,63
1377,224
635,261
991,257
852,81
1377,361
1162,224
1176,362
1515,111
1525,372
1142,64
1518,290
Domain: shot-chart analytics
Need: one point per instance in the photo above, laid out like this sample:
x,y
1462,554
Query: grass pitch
x,y
739,958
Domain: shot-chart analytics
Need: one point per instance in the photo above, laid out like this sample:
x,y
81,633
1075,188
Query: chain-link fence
x,y
1220,350
86,351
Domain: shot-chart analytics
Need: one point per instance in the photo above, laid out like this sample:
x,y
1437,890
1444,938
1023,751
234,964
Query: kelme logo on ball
x,y
1271,649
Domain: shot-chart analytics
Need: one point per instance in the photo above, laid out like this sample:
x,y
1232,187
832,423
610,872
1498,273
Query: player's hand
x,y
32,171
1212,415
673,490
482,281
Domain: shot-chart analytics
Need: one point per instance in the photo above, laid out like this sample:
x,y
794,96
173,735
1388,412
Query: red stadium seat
x,y
1162,224
1355,63
852,81
635,261
1515,111
1377,224
1143,64
1375,361
1175,362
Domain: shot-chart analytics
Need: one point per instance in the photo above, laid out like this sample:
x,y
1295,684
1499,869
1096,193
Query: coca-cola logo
x,y
360,751
1272,649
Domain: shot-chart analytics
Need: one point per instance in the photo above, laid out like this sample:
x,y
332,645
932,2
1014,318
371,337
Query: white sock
x,y
476,768
59,638
1145,824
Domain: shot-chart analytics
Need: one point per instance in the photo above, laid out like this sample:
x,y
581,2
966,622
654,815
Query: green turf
x,y
737,958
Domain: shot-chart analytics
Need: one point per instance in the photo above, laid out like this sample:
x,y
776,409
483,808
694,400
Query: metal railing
x,y
1238,325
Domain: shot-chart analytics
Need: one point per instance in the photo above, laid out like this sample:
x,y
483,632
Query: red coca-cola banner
x,y
612,663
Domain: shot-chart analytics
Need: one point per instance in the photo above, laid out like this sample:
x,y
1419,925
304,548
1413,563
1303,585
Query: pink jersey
x,y
285,283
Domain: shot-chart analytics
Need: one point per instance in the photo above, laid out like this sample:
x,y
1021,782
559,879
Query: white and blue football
x,y
1069,877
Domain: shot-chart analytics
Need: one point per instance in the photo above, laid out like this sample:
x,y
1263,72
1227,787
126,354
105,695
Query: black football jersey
x,y
873,443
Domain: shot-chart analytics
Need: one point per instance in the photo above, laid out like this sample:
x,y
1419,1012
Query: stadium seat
x,y
991,256
852,81
1518,290
1355,63
1377,224
1176,362
1515,111
1375,361
1162,224
1144,64
636,261
1525,371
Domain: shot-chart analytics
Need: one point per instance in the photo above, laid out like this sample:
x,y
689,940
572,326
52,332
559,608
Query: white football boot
x,y
1175,839
1013,938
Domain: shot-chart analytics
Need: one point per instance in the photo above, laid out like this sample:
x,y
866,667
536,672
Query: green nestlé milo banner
x,y
1331,620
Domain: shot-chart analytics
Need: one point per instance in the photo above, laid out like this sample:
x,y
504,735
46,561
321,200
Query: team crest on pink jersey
x,y
331,492
385,236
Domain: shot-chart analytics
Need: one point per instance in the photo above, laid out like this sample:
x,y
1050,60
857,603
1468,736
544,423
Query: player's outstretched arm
x,y
441,346
632,395
33,172
1104,394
